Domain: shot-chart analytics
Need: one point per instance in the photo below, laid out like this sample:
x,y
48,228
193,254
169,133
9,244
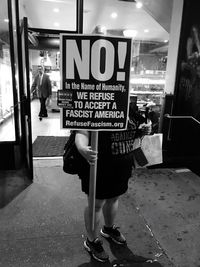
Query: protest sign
x,y
95,73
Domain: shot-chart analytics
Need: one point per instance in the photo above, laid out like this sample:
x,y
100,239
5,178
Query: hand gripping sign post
x,y
94,95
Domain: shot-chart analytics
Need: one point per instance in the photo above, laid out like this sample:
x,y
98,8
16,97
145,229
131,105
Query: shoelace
x,y
115,230
98,245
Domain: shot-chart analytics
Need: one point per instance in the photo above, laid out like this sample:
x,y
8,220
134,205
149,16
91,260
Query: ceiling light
x,y
6,20
56,10
56,24
146,30
114,15
139,4
130,33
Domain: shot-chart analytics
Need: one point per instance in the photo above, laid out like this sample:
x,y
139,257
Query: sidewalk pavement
x,y
159,215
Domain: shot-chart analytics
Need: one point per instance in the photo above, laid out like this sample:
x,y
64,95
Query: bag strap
x,y
70,140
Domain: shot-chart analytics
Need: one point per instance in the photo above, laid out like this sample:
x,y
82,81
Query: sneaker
x,y
114,234
96,250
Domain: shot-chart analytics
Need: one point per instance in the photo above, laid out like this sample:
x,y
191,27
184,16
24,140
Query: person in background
x,y
114,168
42,85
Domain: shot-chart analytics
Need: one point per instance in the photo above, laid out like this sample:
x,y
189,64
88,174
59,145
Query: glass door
x,y
7,120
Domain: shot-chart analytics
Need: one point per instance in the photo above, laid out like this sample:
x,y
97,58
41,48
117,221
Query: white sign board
x,y
95,74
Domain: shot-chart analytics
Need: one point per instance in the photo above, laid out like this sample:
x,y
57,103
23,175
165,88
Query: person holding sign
x,y
114,168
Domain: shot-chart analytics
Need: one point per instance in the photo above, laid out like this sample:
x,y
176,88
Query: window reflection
x,y
7,128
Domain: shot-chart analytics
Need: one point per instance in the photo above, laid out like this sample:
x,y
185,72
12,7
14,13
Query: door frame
x,y
25,106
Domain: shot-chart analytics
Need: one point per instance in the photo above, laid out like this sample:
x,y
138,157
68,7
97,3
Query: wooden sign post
x,y
93,171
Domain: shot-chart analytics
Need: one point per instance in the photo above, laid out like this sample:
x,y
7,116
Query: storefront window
x,y
147,78
150,36
148,68
7,127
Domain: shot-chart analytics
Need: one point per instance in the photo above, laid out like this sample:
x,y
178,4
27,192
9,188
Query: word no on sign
x,y
95,73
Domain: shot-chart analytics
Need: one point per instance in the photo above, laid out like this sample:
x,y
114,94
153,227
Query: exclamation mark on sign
x,y
122,46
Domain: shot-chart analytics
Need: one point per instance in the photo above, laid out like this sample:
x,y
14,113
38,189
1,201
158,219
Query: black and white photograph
x,y
99,133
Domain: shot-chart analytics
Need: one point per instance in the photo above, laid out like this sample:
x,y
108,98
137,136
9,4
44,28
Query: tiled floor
x,y
47,127
50,126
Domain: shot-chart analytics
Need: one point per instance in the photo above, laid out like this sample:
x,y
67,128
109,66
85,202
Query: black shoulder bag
x,y
70,155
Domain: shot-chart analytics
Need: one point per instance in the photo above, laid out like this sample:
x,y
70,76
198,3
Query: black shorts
x,y
111,179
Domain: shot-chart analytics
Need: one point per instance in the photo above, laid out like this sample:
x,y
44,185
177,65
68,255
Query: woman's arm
x,y
82,144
